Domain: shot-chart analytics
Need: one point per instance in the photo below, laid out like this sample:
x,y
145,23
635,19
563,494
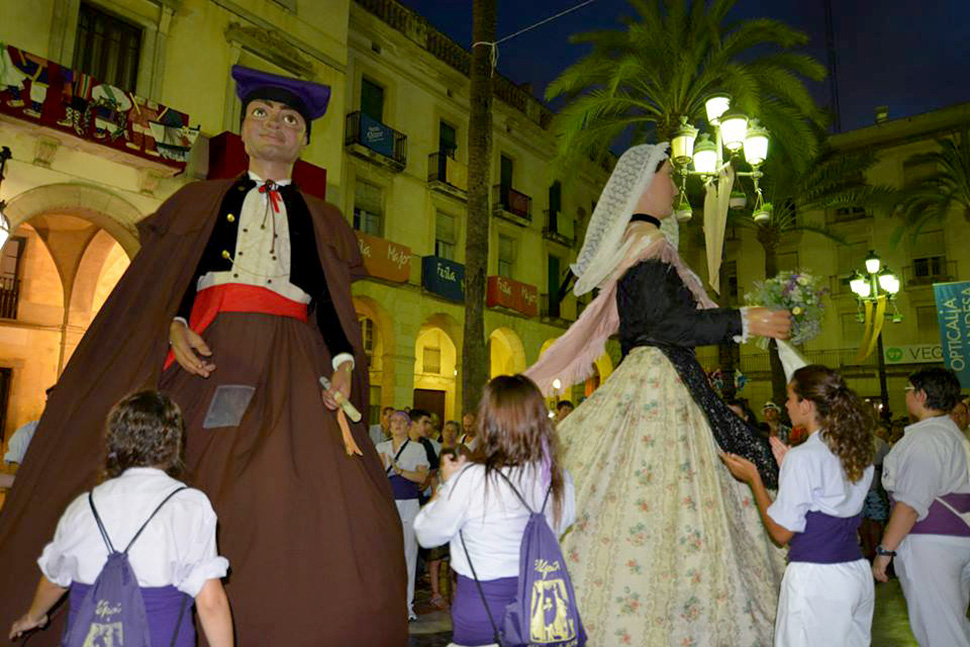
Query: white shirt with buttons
x,y
262,255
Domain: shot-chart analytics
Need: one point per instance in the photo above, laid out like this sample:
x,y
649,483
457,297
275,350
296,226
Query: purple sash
x,y
403,488
468,616
826,540
162,606
941,521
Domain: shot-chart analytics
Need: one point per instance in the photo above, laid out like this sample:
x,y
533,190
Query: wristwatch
x,y
882,552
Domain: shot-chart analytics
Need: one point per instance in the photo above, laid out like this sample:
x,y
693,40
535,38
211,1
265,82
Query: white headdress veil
x,y
602,251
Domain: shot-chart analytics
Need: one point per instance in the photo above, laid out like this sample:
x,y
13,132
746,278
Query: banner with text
x,y
953,311
914,354
384,259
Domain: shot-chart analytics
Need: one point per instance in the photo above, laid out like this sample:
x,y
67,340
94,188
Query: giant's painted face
x,y
273,132
658,199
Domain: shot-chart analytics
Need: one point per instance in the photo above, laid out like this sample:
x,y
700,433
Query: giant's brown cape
x,y
123,351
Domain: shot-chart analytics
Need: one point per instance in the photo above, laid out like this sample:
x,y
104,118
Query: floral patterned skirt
x,y
668,549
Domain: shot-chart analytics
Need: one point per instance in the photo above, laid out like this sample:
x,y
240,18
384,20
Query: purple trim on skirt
x,y
940,521
162,606
826,540
468,616
404,489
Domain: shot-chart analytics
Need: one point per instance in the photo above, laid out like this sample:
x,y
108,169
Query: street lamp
x,y
4,223
734,134
877,283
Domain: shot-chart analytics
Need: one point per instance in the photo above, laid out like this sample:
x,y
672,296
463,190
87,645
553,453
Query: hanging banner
x,y
40,92
953,312
443,277
511,294
376,136
384,259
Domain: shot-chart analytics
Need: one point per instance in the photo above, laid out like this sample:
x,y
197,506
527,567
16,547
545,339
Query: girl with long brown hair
x,y
478,502
827,595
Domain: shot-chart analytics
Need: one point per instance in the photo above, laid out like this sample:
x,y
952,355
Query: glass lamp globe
x,y
859,286
734,128
705,155
889,282
873,263
682,144
716,105
756,144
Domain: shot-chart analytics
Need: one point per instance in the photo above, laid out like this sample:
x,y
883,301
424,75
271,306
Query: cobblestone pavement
x,y
890,626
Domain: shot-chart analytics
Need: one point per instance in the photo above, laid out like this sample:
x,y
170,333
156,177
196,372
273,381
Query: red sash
x,y
237,297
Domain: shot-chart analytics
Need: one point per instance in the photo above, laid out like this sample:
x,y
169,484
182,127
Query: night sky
x,y
913,55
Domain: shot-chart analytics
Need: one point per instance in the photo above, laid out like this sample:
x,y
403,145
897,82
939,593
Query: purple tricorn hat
x,y
306,97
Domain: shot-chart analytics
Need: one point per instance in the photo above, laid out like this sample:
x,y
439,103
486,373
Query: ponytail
x,y
847,421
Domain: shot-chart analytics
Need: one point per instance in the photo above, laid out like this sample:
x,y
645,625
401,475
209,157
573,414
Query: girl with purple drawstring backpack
x,y
138,551
501,511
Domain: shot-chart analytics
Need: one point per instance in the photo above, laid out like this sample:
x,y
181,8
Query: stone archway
x,y
506,352
97,205
82,226
436,365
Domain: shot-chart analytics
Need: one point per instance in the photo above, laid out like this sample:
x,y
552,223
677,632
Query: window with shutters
x,y
107,47
432,360
367,335
852,330
928,325
506,256
369,208
372,99
929,254
444,236
447,139
11,258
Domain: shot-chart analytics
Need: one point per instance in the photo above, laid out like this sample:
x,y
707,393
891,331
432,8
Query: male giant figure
x,y
248,282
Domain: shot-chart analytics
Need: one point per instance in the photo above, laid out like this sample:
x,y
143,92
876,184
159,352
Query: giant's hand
x,y
187,345
765,322
340,381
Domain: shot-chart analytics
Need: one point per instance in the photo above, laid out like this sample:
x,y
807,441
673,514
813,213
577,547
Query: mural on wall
x,y
42,92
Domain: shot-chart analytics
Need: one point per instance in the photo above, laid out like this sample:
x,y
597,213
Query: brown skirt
x,y
312,536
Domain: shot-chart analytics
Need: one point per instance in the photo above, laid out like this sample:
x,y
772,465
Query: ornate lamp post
x,y
874,289
734,134
4,223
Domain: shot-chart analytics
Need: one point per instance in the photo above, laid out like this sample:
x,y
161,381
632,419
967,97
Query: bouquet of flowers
x,y
798,292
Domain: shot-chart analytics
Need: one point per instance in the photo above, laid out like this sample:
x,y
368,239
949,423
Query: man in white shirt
x,y
926,473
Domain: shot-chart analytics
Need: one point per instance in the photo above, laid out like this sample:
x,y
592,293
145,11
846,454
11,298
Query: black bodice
x,y
657,309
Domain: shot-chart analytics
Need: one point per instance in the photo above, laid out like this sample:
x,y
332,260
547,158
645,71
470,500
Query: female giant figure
x,y
668,548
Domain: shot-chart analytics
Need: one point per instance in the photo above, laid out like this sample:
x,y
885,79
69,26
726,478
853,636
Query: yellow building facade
x,y
940,253
393,146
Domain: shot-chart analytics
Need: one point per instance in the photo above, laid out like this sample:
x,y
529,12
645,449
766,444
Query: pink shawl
x,y
570,358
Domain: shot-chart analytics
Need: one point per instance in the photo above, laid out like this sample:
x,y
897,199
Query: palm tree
x,y
663,65
932,197
833,180
473,355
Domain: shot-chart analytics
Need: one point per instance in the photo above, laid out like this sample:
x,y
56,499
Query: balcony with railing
x,y
512,205
929,270
372,140
9,297
447,175
554,228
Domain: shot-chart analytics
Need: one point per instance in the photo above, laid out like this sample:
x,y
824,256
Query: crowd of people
x,y
653,513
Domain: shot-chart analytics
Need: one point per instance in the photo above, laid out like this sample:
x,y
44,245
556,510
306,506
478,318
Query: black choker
x,y
642,217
